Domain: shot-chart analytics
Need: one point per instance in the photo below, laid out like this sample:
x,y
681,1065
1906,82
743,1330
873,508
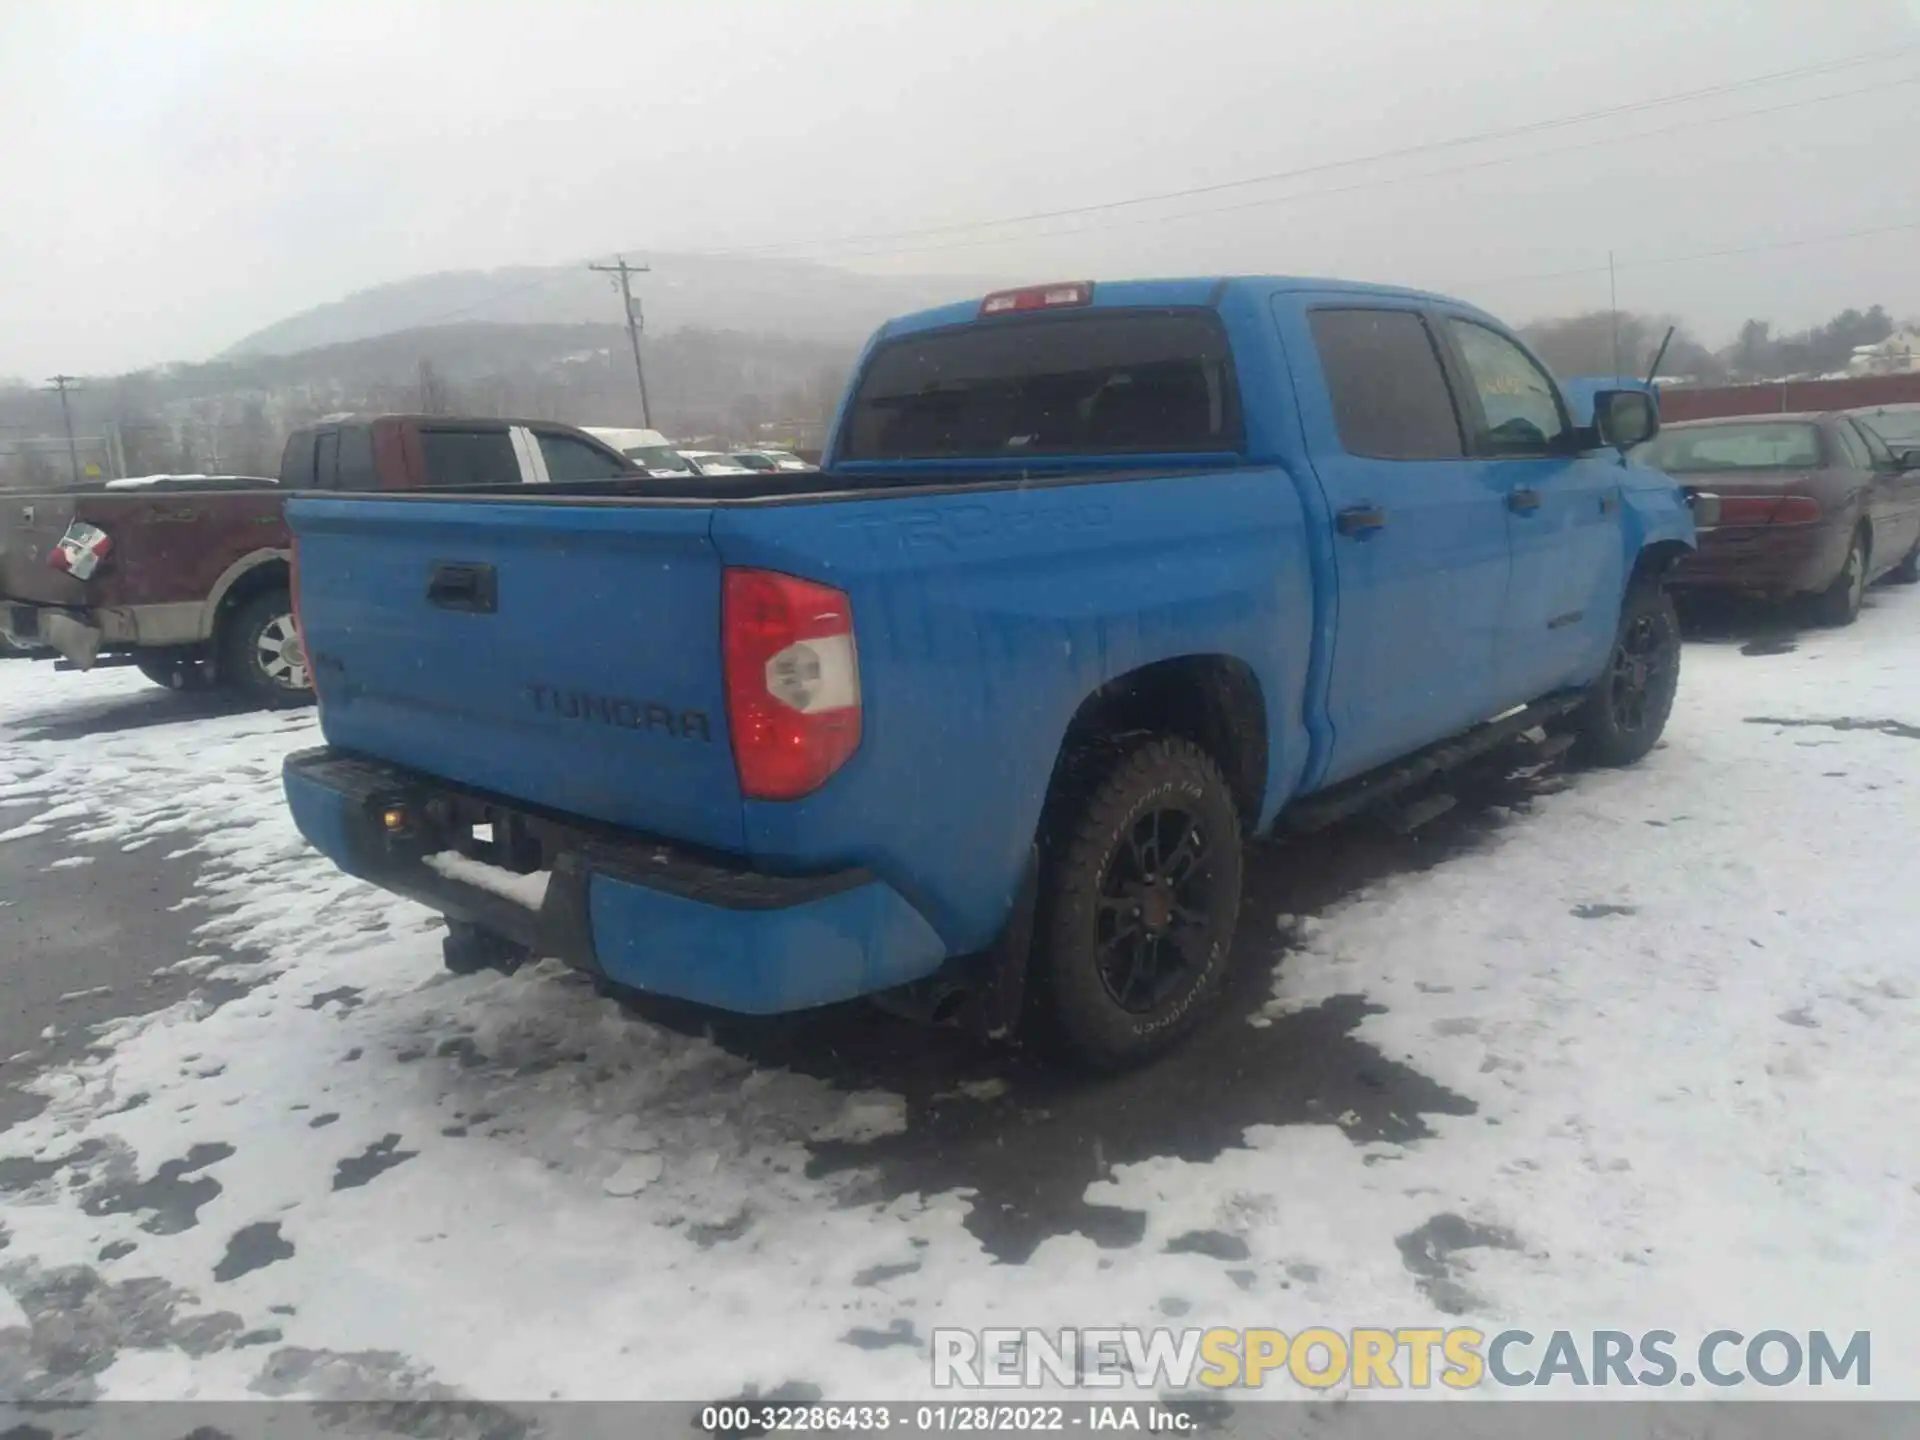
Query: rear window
x,y
469,457
1113,383
1763,445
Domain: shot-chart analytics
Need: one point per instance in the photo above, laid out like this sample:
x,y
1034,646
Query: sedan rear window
x,y
1763,445
1112,383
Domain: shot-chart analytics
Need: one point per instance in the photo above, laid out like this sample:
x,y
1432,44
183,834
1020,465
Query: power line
x,y
1322,167
632,308
1796,243
1429,147
1492,162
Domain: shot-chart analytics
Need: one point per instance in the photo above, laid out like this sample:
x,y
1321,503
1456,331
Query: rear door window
x,y
1391,400
468,457
569,458
1877,449
296,464
1852,447
1095,383
326,453
354,470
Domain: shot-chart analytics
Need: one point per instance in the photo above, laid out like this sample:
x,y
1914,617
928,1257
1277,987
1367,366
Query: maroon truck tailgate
x,y
30,526
169,546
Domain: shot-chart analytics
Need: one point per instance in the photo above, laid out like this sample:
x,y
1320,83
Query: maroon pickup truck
x,y
187,577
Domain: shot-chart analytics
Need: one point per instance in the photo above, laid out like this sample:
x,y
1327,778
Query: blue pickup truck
x,y
1096,583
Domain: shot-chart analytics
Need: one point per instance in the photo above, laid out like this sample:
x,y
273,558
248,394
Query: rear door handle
x,y
1523,502
1359,520
458,585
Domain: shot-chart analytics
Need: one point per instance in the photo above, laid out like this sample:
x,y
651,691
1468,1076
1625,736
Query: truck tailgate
x,y
30,526
562,655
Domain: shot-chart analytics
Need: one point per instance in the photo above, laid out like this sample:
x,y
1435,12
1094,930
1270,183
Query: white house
x,y
1898,354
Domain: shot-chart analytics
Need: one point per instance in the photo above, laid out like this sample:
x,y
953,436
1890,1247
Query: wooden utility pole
x,y
1613,310
62,384
623,271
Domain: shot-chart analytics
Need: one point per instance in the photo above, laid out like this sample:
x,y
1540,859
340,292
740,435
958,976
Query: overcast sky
x,y
176,174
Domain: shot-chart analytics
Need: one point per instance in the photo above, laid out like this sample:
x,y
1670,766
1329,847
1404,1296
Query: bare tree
x,y
255,446
434,399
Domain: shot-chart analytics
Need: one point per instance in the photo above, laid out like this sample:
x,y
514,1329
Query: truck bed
x,y
762,488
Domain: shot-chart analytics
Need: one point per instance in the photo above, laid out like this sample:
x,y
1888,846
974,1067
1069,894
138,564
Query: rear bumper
x,y
79,634
641,913
69,633
1771,559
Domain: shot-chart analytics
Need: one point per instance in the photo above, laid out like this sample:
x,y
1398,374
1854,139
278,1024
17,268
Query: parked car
x,y
1897,425
765,461
648,449
187,577
713,462
1096,583
1810,506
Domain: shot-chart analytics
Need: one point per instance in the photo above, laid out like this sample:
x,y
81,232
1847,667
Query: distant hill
x,y
760,296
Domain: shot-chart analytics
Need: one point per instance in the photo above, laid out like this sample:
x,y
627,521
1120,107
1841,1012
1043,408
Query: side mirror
x,y
1909,459
1625,418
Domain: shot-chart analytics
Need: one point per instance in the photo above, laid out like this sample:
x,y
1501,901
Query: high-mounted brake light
x,y
1037,297
80,551
793,682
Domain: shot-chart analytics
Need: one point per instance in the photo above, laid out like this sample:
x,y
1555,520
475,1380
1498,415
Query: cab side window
x,y
355,470
570,459
469,457
1853,450
1878,454
1519,402
1391,400
326,452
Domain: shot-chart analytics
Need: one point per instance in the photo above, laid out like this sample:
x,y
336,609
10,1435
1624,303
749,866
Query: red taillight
x,y
793,682
299,630
1797,510
1769,510
1746,509
80,551
1037,297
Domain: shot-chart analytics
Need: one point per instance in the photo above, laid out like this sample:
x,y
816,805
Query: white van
x,y
648,449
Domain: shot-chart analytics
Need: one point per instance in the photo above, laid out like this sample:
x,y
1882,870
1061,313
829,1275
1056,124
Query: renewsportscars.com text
x,y
1380,1358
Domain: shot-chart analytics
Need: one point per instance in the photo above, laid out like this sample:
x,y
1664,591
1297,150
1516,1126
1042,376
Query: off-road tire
x,y
1627,707
1101,858
1839,604
252,660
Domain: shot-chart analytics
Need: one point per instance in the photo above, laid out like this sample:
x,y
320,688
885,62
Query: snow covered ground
x,y
1672,1016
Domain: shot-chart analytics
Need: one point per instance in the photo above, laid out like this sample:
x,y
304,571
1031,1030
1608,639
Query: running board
x,y
1363,792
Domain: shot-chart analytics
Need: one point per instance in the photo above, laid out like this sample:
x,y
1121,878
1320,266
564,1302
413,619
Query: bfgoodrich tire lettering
x,y
1140,898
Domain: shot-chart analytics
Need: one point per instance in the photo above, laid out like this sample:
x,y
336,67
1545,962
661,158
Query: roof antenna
x,y
1659,355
